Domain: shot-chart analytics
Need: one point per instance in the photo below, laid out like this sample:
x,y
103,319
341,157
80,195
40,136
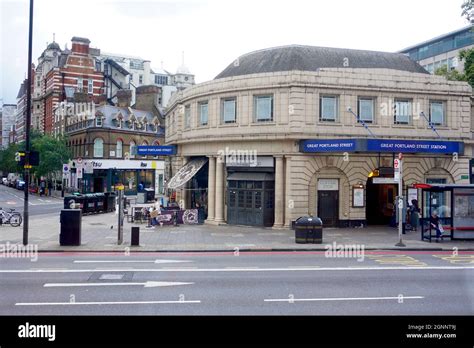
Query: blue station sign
x,y
414,146
156,150
329,145
381,145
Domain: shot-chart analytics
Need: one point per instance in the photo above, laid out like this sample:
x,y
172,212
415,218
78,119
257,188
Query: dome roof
x,y
53,46
311,58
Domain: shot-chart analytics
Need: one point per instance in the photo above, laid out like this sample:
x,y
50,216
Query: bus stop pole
x,y
400,200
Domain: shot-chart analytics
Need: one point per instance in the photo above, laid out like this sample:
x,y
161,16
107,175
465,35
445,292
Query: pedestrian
x,y
50,187
141,186
414,214
434,223
42,187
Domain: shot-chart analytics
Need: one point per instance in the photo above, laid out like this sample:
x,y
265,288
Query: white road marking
x,y
102,303
148,284
131,261
344,299
305,269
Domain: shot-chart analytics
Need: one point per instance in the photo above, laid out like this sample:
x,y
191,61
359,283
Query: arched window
x,y
132,149
119,148
98,147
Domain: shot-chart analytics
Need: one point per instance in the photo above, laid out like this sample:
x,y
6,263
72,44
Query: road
x,y
13,198
269,283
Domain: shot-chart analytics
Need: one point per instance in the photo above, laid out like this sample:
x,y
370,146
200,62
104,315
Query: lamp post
x,y
27,129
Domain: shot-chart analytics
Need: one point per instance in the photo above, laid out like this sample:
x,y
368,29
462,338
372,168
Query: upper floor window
x,y
187,116
119,148
263,106
98,147
90,86
140,79
402,111
132,149
203,113
229,110
437,112
328,108
98,121
79,84
366,109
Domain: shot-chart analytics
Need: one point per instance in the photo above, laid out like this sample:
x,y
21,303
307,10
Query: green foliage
x,y
467,56
452,75
468,9
53,154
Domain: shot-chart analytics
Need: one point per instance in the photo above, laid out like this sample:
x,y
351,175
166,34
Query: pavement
x,y
99,233
247,283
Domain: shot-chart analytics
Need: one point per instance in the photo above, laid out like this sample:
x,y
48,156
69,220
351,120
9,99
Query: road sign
x,y
88,167
79,160
65,168
396,163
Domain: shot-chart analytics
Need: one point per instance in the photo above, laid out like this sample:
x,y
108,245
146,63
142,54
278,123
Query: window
x,y
228,110
98,147
187,116
402,111
119,149
98,121
132,149
140,79
328,108
263,106
79,84
366,109
437,112
90,86
203,113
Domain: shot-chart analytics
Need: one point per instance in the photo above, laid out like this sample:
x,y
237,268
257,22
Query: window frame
x,y
359,117
336,108
187,116
223,103
117,147
409,102
90,86
443,107
256,98
201,104
96,155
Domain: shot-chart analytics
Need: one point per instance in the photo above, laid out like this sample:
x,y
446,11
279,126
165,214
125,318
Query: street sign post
x,y
398,165
120,214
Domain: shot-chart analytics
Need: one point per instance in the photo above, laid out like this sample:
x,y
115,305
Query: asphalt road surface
x,y
13,198
270,283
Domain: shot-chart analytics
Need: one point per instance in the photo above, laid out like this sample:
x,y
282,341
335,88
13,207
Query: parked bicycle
x,y
13,217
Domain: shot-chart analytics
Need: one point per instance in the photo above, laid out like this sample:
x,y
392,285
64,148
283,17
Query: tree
x,y
452,75
7,159
467,56
53,154
468,10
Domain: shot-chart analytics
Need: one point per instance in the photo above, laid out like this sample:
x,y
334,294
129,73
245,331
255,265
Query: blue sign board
x,y
156,150
414,146
381,145
329,145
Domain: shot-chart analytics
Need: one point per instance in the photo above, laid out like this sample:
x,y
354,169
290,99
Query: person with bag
x,y
434,223
415,213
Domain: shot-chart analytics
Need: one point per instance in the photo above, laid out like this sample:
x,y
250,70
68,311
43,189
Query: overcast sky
x,y
213,33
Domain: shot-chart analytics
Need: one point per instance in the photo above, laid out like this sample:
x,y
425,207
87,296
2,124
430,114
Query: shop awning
x,y
251,176
186,173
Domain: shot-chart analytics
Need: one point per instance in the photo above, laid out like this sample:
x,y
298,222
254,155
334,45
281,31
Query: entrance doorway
x,y
328,207
99,184
380,207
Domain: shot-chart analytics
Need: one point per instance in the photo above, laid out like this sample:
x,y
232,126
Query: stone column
x,y
219,217
211,189
289,205
185,187
279,192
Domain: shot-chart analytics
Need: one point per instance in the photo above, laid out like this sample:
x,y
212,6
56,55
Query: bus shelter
x,y
454,205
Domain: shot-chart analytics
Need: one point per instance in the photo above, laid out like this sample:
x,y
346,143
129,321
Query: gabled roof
x,y
312,58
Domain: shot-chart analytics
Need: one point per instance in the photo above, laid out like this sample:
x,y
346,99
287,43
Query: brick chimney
x,y
80,45
147,98
124,98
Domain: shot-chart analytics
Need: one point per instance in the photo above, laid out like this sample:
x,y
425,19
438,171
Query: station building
x,y
298,130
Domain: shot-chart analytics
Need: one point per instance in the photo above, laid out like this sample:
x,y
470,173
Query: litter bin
x,y
90,202
309,229
149,195
141,197
99,202
109,201
70,233
71,201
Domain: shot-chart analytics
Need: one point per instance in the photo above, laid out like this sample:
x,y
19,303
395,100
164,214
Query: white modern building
x,y
7,112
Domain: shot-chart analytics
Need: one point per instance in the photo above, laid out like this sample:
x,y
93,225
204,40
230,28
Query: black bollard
x,y
135,236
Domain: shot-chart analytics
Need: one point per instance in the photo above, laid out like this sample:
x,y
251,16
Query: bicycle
x,y
13,217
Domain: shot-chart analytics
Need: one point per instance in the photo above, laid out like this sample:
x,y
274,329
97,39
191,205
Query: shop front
x,y
104,175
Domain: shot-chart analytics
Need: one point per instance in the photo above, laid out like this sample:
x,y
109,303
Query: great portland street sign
x,y
156,150
381,145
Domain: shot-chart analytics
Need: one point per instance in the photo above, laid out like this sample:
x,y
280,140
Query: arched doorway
x,y
382,191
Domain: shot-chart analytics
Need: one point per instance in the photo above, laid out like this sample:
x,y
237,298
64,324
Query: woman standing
x,y
414,214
